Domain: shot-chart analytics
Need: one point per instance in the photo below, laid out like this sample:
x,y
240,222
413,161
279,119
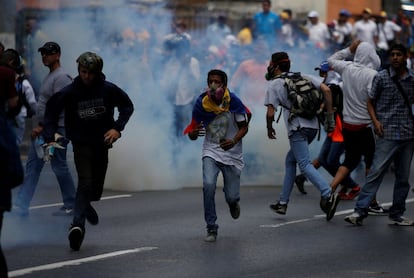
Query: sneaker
x,y
332,204
352,194
400,221
76,235
300,180
234,210
376,209
324,204
279,208
355,219
91,215
211,236
63,211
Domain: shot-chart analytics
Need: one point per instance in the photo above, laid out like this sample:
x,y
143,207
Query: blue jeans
x,y
299,154
34,166
387,151
231,189
19,124
329,158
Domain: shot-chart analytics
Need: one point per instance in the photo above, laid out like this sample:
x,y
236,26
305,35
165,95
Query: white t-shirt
x,y
365,31
276,95
318,34
386,33
224,126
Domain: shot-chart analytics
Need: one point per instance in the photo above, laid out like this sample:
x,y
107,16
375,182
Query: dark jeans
x,y
91,163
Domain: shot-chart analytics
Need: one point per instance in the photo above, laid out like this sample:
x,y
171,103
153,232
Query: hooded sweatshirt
x,y
357,76
89,111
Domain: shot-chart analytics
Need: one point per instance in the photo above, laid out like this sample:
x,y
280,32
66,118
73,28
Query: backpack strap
x,y
402,92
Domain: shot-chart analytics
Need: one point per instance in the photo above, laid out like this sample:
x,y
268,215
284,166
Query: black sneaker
x,y
332,204
76,235
279,208
300,180
91,215
324,204
211,236
355,219
376,209
234,210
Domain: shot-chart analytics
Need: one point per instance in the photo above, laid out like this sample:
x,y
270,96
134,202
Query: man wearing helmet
x,y
89,104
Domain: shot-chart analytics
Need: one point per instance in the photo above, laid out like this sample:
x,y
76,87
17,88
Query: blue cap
x,y
344,12
324,66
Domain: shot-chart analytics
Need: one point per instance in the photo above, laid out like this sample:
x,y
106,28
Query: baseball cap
x,y
367,10
324,66
284,15
313,14
50,48
383,14
344,12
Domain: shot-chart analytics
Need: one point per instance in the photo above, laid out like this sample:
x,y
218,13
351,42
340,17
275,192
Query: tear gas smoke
x,y
149,156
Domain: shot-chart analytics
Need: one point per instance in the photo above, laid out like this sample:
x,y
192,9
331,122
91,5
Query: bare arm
x,y
327,94
378,128
270,118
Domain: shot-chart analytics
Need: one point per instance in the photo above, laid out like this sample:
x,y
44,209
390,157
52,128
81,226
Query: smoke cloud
x,y
149,156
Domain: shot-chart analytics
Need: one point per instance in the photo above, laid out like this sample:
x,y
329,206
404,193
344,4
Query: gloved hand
x,y
49,148
329,121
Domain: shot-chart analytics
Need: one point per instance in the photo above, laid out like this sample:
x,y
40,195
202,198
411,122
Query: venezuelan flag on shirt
x,y
205,110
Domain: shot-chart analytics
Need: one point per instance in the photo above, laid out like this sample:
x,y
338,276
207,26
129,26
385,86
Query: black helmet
x,y
91,61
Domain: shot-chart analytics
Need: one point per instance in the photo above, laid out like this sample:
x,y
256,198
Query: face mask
x,y
215,93
270,73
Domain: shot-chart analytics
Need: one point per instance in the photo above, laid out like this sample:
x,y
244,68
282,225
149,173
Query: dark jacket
x,y
89,111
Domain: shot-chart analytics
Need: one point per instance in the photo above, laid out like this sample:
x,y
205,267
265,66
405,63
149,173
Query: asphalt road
x,y
160,234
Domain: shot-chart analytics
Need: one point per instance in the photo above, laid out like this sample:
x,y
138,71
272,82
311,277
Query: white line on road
x,y
342,212
61,204
24,271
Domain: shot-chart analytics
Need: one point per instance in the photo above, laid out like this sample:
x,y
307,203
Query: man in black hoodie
x,y
89,104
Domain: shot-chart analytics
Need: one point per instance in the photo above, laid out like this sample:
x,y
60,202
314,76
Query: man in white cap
x,y
365,29
318,34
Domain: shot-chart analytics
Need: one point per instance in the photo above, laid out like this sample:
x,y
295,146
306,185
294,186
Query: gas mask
x,y
215,92
270,72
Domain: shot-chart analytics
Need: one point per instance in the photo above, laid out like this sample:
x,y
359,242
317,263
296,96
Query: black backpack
x,y
337,98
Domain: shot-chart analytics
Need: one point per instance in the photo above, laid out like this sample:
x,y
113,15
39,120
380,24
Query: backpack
x,y
22,98
306,99
337,98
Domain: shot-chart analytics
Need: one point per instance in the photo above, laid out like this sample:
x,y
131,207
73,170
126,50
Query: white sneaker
x,y
400,221
355,219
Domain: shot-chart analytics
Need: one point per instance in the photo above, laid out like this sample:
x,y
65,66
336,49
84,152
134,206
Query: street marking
x,y
61,204
24,271
342,212
286,223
